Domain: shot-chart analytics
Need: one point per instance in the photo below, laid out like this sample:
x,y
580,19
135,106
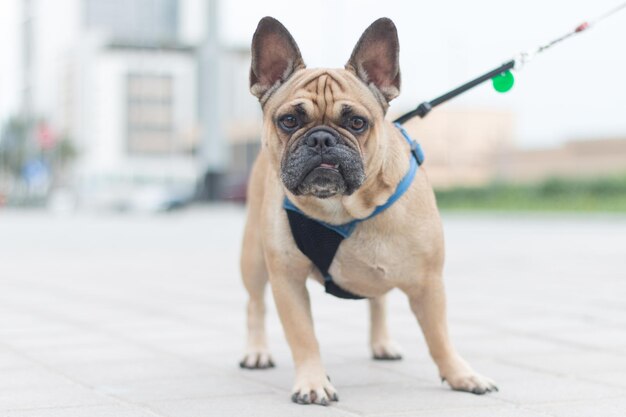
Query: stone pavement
x,y
133,316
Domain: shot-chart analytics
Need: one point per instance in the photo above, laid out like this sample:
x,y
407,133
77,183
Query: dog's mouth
x,y
323,180
322,177
323,173
330,167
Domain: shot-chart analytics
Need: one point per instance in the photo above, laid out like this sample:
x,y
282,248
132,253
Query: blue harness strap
x,y
319,241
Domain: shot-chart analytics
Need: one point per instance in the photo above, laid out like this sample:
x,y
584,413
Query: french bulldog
x,y
327,147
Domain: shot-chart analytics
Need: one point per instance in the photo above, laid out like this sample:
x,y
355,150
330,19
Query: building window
x,y
149,115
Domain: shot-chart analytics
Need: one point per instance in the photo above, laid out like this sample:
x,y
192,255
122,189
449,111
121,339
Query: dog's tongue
x,y
325,165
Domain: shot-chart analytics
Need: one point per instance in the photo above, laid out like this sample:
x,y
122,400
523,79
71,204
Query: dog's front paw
x,y
473,382
313,388
470,382
461,377
257,359
386,350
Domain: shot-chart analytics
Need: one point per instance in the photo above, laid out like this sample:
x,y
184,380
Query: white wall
x,y
102,113
10,50
56,30
192,17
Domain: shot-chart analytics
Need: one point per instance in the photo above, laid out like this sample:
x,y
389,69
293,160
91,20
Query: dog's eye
x,y
288,122
357,124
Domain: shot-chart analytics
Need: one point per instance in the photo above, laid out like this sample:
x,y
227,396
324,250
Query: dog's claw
x,y
313,398
387,357
319,392
257,361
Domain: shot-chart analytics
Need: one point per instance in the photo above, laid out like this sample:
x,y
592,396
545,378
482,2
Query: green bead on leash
x,y
503,82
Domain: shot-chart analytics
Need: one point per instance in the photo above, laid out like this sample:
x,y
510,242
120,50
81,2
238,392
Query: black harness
x,y
319,241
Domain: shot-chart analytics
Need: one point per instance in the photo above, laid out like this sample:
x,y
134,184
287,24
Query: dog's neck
x,y
381,181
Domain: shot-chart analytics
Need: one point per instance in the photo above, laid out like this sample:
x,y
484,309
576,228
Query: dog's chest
x,y
370,259
369,265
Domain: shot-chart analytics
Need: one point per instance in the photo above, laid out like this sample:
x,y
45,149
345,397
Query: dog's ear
x,y
275,56
375,58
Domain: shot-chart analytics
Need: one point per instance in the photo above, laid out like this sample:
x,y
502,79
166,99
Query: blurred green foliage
x,y
555,194
14,149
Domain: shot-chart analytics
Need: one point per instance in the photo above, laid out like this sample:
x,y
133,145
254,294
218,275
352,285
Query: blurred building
x,y
575,159
476,147
131,110
464,147
130,99
125,81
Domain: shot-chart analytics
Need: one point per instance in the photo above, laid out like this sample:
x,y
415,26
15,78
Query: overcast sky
x,y
575,91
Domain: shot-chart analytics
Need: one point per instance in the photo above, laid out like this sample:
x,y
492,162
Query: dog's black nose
x,y
321,139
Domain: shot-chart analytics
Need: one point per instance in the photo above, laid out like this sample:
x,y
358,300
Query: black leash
x,y
501,76
424,108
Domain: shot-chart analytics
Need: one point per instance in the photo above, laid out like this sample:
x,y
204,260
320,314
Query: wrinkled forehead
x,y
325,93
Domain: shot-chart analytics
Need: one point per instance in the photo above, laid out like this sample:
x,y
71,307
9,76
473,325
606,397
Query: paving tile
x,y
260,405
11,360
497,411
598,338
30,377
48,397
551,389
109,373
407,397
96,352
601,408
184,388
88,411
509,346
370,372
12,320
580,363
44,333
615,378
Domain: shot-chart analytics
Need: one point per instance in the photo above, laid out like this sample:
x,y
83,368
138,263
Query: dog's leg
x,y
383,348
429,306
254,274
294,308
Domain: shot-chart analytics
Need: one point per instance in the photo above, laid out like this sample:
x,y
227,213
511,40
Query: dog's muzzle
x,y
322,164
